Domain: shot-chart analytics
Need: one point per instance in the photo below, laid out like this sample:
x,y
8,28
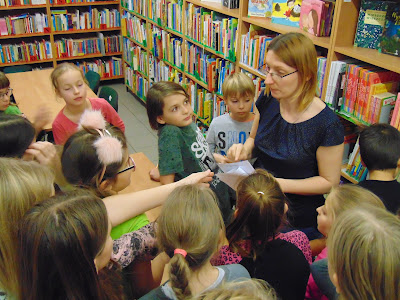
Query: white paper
x,y
233,173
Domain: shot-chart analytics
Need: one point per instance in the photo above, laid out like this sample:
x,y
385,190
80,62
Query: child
x,y
22,185
6,106
364,254
98,158
233,128
181,145
254,237
69,83
65,242
190,229
380,152
254,289
339,200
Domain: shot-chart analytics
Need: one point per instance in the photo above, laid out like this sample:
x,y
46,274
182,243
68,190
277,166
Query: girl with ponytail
x,y
190,230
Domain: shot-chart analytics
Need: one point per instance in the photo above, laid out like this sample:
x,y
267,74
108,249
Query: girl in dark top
x,y
297,137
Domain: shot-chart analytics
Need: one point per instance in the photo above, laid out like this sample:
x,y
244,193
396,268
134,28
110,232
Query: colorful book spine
x,y
106,68
135,56
137,82
135,28
26,52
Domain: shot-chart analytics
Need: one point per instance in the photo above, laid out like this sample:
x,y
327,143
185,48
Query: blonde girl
x,y
70,84
364,254
339,200
22,184
254,237
190,229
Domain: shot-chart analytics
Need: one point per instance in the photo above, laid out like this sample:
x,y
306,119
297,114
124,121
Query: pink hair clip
x,y
92,119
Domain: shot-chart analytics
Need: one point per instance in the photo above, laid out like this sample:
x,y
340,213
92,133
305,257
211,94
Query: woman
x,y
297,137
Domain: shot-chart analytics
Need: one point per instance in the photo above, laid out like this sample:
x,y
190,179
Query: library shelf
x,y
112,77
134,92
218,7
22,7
371,56
344,174
88,56
16,36
172,65
140,72
136,42
85,3
26,62
85,30
266,23
251,70
203,84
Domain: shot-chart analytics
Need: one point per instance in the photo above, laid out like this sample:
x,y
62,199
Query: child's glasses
x,y
9,93
275,77
131,164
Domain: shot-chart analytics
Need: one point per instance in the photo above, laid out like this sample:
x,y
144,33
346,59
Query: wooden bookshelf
x,y
50,35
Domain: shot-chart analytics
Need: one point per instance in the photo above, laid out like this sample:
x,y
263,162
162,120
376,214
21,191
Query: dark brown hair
x,y
59,240
155,99
80,162
260,210
4,81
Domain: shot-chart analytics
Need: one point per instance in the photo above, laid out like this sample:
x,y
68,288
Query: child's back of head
x,y
364,254
189,231
380,147
22,184
16,134
260,211
62,240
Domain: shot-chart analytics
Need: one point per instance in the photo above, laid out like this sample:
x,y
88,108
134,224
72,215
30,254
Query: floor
x,y
141,138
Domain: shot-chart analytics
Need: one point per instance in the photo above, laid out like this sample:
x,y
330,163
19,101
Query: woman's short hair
x,y
298,51
364,252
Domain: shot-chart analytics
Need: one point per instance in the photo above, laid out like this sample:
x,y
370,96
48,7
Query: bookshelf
x,y
40,35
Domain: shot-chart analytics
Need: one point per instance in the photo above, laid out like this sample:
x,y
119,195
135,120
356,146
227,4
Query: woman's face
x,y
281,88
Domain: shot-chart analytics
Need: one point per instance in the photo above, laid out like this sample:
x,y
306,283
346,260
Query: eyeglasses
x,y
131,164
276,77
9,93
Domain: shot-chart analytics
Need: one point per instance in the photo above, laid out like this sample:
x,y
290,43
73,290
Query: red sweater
x,y
63,127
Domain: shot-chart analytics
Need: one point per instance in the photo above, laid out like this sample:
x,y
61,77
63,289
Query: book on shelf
x,y
390,40
316,17
106,68
24,23
260,8
231,4
395,120
371,20
25,52
321,63
286,12
259,83
355,167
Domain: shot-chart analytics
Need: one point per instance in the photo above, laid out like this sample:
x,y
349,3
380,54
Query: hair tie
x,y
92,119
180,251
262,193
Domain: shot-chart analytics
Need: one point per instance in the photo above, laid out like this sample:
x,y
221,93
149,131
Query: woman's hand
x,y
201,178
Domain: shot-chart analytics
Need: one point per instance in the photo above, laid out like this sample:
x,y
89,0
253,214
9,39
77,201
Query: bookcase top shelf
x,y
85,3
267,24
371,56
218,7
22,7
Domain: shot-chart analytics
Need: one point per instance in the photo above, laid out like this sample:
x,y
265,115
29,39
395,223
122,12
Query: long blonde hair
x,y
22,184
364,253
190,220
61,69
348,196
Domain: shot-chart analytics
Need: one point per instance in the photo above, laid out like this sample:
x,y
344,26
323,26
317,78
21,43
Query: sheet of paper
x,y
233,173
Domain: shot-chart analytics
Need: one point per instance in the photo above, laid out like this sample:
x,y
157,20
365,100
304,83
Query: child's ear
x,y
160,120
95,265
285,208
107,185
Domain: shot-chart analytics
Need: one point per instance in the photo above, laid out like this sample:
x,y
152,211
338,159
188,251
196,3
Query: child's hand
x,y
155,174
43,152
221,159
201,178
41,118
237,152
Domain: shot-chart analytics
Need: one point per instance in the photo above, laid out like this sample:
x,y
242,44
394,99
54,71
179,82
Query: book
x,y
286,12
311,15
260,8
390,40
371,21
383,105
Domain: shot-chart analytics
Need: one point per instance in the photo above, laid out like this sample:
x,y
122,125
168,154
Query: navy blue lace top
x,y
289,151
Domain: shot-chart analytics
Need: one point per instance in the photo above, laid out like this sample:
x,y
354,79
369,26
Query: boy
x,y
380,152
233,128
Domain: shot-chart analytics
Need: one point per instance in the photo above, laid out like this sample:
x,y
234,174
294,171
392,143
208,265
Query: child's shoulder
x,y
175,130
